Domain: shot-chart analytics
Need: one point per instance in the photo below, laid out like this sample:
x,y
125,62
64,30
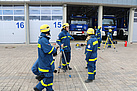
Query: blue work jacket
x,y
45,51
98,35
91,50
64,38
109,35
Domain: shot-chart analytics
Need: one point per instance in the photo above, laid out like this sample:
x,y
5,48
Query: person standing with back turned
x,y
91,55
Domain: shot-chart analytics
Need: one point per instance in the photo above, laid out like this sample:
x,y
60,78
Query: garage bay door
x,y
39,15
12,24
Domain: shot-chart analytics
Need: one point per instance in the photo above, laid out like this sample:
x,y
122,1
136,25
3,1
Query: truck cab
x,y
78,26
109,23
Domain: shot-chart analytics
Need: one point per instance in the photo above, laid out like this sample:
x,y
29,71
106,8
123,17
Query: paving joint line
x,y
81,79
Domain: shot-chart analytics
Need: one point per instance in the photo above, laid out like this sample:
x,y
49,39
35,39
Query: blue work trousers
x,y
91,70
68,57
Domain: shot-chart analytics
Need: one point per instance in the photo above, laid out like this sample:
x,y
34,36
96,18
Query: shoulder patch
x,y
89,46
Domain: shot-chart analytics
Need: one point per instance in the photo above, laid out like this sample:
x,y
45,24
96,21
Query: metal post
x,y
27,24
100,14
130,27
64,13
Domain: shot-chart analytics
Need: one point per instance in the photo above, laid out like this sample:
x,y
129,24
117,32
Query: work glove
x,y
59,66
61,50
55,54
57,47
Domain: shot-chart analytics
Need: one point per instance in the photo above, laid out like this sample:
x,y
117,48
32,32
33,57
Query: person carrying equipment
x,y
35,70
109,36
45,59
91,55
98,36
64,43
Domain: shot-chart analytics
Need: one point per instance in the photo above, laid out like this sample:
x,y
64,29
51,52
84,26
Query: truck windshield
x,y
108,22
78,21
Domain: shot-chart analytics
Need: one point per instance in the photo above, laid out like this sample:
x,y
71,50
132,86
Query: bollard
x,y
125,43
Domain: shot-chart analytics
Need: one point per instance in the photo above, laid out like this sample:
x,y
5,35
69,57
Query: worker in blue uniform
x,y
45,60
98,36
64,43
109,35
91,55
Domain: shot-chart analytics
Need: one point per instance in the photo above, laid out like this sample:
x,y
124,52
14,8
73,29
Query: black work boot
x,y
69,68
88,80
39,78
35,89
64,69
94,77
55,71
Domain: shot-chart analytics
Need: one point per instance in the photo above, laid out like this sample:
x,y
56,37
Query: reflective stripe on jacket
x,y
64,38
45,51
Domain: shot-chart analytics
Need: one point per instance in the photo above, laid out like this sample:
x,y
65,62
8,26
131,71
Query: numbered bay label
x,y
20,24
57,24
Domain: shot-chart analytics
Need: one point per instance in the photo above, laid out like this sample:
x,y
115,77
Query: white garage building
x,y
20,20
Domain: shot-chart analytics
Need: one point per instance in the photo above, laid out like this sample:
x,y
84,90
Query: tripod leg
x,y
112,43
106,42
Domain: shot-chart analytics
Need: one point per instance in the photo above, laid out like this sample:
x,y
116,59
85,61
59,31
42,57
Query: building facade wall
x,y
128,3
19,24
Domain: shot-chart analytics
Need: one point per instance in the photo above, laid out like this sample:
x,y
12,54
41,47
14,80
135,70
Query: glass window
x,y
34,7
7,7
8,18
7,12
56,7
45,17
18,12
34,12
0,12
18,18
56,17
135,10
34,17
0,18
45,11
78,21
107,21
45,7
18,7
135,14
135,19
57,12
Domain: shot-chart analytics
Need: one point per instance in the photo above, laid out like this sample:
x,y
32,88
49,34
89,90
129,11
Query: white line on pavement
x,y
81,79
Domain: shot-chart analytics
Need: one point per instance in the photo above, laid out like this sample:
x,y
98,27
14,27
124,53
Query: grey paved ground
x,y
116,71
